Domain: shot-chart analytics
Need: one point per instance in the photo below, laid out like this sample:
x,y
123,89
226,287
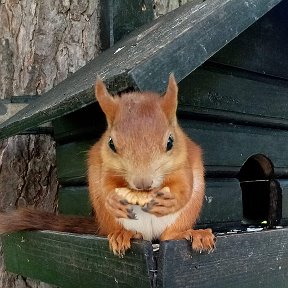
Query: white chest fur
x,y
150,226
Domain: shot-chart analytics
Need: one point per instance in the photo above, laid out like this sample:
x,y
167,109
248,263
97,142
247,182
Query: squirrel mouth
x,y
146,190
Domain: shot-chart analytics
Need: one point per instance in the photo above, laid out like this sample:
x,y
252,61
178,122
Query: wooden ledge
x,y
73,261
257,259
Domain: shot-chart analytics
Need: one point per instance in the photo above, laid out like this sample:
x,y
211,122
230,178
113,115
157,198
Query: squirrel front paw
x,y
159,202
163,203
201,239
119,207
120,241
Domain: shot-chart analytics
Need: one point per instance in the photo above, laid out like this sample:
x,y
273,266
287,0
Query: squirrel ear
x,y
106,101
169,100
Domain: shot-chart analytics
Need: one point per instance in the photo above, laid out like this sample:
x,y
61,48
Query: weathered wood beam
x,y
226,147
179,41
120,17
258,259
72,261
269,33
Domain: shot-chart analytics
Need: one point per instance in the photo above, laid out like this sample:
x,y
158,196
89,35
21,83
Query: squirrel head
x,y
143,142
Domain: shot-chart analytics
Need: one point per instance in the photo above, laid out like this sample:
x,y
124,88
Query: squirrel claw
x,y
120,241
148,206
203,240
163,203
124,202
119,207
131,214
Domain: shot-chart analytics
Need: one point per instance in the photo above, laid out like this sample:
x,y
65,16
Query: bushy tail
x,y
30,219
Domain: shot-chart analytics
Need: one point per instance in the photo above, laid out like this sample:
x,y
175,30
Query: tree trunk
x,y
41,43
28,178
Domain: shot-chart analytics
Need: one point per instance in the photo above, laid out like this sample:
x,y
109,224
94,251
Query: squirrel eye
x,y
170,143
111,145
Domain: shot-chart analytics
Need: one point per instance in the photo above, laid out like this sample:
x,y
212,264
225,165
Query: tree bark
x,y
28,175
28,178
41,44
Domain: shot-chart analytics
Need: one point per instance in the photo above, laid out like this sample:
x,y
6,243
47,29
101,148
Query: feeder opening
x,y
261,193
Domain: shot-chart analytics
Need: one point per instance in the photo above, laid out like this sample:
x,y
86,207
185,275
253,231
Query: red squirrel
x,y
142,150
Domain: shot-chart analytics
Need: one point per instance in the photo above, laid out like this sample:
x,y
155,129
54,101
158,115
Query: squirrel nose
x,y
143,184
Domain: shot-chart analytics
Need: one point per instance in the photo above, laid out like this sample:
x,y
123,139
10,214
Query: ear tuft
x,y
170,99
172,86
100,89
106,100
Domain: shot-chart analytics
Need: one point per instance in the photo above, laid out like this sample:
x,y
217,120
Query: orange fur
x,y
143,149
139,125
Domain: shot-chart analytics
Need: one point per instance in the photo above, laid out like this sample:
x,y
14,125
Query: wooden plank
x,y
263,47
227,146
138,12
223,207
284,187
210,92
222,203
72,261
115,13
74,201
258,259
219,192
204,38
71,162
225,94
147,56
86,123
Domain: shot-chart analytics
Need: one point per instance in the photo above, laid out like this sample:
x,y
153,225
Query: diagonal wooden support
x,y
179,41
